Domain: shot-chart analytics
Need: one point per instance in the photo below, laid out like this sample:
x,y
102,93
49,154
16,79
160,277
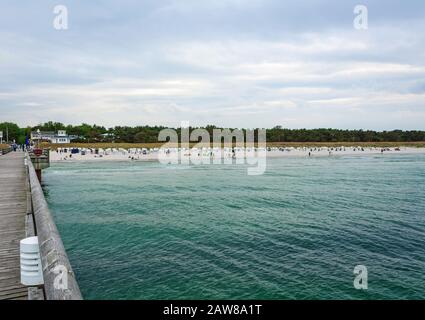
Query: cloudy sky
x,y
234,63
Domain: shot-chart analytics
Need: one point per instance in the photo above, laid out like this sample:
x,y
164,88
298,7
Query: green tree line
x,y
146,134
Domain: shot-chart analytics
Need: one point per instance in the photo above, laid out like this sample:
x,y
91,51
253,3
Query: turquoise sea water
x,y
143,230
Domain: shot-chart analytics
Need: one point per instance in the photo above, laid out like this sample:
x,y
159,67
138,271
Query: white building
x,y
59,137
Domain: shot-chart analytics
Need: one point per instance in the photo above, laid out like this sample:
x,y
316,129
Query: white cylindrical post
x,y
31,269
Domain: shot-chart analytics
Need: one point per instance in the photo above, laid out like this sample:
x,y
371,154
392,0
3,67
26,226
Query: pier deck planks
x,y
12,224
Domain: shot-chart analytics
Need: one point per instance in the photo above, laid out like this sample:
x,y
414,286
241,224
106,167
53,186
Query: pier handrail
x,y
59,279
5,150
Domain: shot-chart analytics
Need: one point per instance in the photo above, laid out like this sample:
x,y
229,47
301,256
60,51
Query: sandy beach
x,y
155,154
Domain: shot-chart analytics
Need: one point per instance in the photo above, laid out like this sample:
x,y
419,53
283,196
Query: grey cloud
x,y
236,63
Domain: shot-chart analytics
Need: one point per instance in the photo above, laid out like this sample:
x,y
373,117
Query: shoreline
x,y
135,154
126,145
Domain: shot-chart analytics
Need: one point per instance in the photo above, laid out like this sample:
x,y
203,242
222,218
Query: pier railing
x,y
59,279
5,150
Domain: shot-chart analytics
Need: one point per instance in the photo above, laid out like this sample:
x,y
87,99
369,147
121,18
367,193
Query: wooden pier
x,y
13,209
24,213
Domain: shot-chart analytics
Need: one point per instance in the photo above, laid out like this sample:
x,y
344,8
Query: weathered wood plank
x,y
13,207
15,296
